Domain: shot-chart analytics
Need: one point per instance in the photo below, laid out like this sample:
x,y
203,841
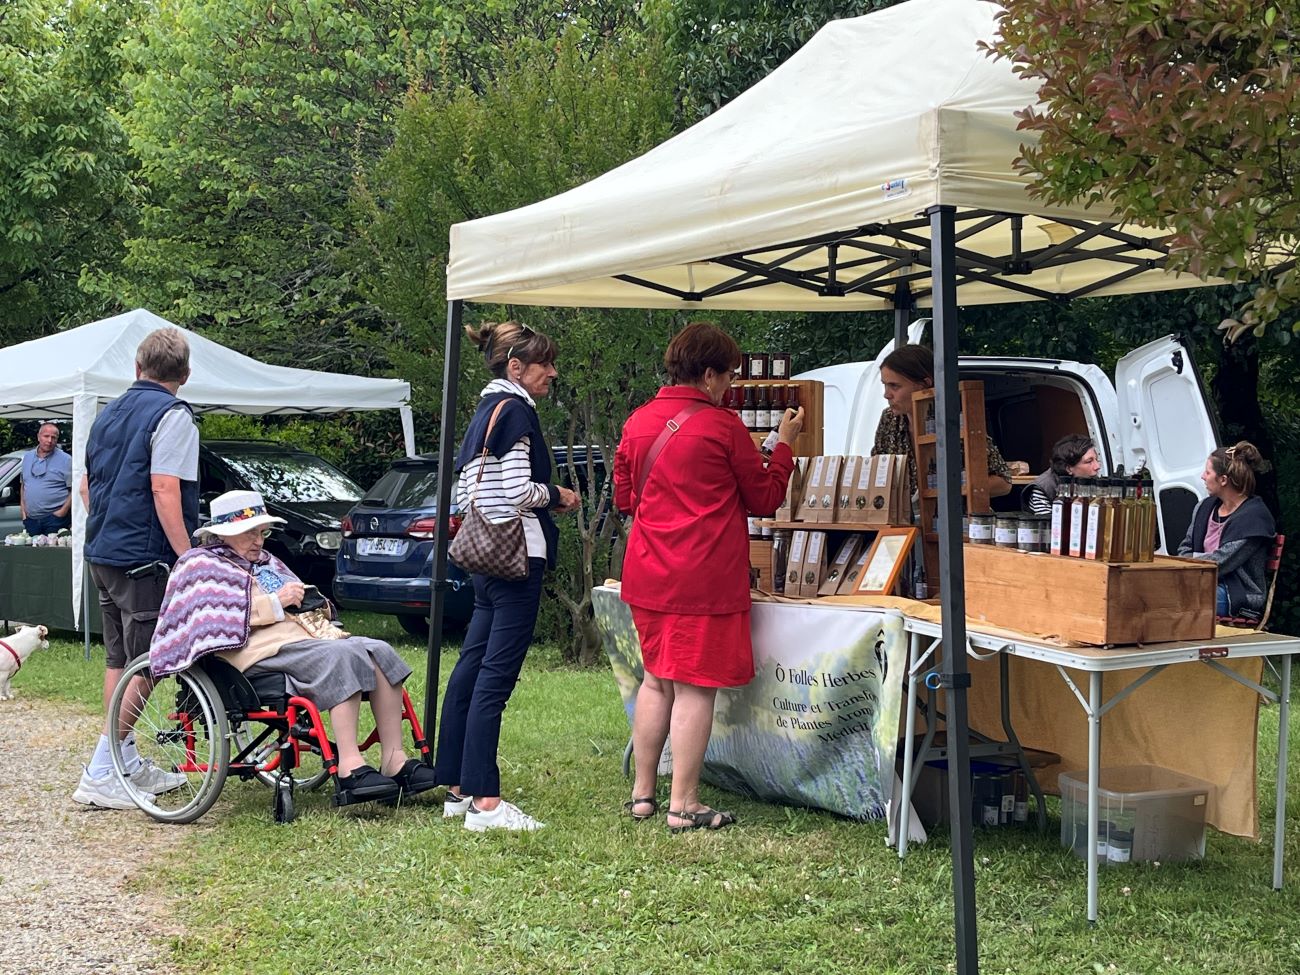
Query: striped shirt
x,y
507,489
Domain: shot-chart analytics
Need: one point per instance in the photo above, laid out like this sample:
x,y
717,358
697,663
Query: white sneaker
x,y
505,816
106,793
153,780
454,808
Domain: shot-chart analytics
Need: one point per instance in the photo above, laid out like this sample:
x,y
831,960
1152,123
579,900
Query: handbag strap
x,y
652,455
483,456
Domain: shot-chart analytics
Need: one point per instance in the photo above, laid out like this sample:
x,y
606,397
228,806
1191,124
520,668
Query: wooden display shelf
x,y
811,394
819,526
1091,602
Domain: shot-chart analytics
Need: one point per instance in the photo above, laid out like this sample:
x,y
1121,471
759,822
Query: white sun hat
x,y
236,512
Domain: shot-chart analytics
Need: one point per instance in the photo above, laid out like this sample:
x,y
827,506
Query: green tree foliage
x,y
725,46
557,115
1181,115
66,197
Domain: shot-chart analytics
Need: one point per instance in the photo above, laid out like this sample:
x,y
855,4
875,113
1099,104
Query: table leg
x,y
1283,735
905,799
1094,777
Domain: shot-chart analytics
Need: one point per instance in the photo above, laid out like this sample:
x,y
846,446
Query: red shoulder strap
x,y
671,427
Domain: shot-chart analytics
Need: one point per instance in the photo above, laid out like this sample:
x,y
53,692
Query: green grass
x,y
787,890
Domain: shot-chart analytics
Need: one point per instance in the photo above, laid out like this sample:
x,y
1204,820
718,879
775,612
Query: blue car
x,y
386,558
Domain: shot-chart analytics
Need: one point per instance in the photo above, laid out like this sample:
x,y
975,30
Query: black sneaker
x,y
415,777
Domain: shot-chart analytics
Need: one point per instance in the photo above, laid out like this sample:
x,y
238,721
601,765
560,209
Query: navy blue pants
x,y
499,634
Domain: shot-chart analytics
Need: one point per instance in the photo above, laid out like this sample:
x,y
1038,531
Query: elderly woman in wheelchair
x,y
243,641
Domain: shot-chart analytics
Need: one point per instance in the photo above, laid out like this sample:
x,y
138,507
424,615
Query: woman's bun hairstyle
x,y
1240,464
502,341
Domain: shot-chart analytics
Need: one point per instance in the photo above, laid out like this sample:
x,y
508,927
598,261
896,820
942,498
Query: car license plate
x,y
381,546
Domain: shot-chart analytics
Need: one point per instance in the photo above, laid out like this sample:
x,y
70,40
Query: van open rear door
x,y
1166,426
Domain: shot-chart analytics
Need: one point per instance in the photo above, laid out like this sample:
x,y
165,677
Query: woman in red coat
x,y
686,569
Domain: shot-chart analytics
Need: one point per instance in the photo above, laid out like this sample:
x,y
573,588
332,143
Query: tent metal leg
x,y
952,582
438,575
1283,736
1094,776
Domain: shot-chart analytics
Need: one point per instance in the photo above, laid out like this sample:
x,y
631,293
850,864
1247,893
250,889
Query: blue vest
x,y
122,528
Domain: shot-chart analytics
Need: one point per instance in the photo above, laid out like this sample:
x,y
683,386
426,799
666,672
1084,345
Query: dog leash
x,y
18,661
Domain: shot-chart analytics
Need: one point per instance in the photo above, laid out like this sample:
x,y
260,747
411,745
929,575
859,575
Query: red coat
x,y
688,551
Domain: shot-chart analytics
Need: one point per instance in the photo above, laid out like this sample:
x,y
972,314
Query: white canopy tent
x,y
873,170
73,374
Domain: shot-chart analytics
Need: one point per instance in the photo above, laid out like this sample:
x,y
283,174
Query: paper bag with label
x,y
849,550
814,565
829,489
860,495
794,562
902,493
812,499
882,507
789,509
849,583
844,497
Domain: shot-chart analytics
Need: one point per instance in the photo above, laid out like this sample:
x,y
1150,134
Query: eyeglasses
x,y
525,333
257,533
44,468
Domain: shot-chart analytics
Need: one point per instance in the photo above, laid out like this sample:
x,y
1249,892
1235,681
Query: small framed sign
x,y
885,560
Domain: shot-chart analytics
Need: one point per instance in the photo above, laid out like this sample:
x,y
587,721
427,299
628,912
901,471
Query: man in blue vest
x,y
141,492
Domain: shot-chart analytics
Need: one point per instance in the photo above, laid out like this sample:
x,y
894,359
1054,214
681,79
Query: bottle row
x,y
764,365
761,405
1108,519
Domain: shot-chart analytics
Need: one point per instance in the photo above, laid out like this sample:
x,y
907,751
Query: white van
x,y
1154,415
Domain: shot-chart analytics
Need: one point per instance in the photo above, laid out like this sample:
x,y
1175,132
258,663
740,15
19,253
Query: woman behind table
x,y
686,568
904,371
229,583
515,483
1074,455
1234,529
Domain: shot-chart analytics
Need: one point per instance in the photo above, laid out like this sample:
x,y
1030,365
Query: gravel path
x,y
74,897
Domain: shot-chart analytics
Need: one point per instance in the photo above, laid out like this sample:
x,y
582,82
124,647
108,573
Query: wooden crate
x,y
760,558
1091,602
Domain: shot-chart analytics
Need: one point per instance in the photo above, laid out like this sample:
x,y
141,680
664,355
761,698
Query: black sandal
x,y
711,819
365,784
630,806
415,777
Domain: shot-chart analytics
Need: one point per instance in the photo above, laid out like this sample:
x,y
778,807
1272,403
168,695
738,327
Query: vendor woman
x,y
904,371
1074,455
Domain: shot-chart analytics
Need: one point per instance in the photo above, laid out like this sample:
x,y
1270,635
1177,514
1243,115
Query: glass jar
x,y
1027,534
1005,529
981,529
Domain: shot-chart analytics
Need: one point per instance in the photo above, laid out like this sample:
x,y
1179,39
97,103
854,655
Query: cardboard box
x,y
812,570
846,556
760,558
1091,602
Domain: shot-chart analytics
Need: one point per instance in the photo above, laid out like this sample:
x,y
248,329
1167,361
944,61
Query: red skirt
x,y
703,650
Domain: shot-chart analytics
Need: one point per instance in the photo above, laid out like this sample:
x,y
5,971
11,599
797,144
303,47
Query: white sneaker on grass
x,y
105,793
505,816
453,808
153,780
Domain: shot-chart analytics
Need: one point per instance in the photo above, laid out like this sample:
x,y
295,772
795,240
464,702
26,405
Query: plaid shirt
x,y
894,436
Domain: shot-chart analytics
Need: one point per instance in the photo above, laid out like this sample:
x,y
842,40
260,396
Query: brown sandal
x,y
631,805
704,819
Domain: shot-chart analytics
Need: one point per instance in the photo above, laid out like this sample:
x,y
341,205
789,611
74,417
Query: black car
x,y
309,493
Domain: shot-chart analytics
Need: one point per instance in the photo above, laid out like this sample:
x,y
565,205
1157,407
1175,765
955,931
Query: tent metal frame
x,y
896,262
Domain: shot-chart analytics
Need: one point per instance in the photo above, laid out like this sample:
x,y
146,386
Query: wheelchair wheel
x,y
309,775
284,812
182,731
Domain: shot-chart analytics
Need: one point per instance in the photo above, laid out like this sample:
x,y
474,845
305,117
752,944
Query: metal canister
x,y
1027,534
981,529
1005,529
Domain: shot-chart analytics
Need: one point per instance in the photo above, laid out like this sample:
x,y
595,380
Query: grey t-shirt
x,y
174,448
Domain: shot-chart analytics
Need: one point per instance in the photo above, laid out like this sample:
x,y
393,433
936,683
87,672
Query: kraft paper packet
x,y
844,497
860,496
829,488
902,495
849,584
789,509
812,490
813,569
847,554
794,562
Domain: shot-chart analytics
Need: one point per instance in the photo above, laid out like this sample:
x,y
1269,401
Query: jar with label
x,y
1027,534
981,529
1005,528
758,365
780,365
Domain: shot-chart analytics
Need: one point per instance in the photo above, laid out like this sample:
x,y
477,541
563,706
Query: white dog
x,y
14,650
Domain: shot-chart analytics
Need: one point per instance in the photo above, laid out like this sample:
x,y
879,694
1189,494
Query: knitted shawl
x,y
206,608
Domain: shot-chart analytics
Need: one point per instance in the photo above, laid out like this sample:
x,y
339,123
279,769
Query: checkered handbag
x,y
483,548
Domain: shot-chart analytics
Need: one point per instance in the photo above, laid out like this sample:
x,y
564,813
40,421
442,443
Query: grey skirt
x,y
328,672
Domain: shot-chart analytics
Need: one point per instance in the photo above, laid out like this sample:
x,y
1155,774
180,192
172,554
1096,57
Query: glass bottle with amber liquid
x,y
1079,505
1146,526
1061,507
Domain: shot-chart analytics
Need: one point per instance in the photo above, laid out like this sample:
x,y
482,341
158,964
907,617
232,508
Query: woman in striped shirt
x,y
515,482
1074,455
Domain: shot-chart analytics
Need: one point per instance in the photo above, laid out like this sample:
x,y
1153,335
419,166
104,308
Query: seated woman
x,y
230,597
1074,455
1234,528
904,371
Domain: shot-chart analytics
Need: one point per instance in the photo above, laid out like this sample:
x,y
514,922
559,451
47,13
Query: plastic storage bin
x,y
1145,813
